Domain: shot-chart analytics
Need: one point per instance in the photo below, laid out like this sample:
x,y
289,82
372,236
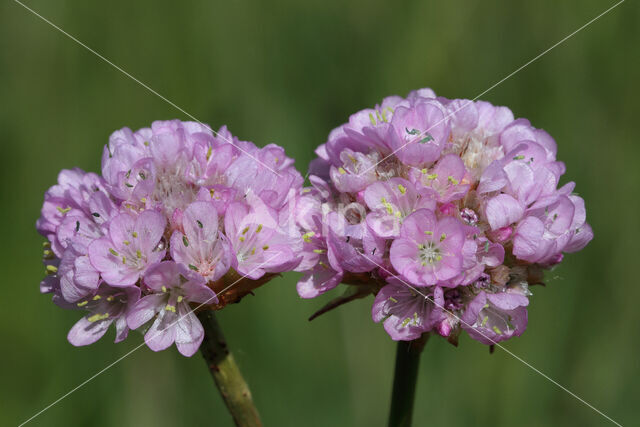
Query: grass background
x,y
288,72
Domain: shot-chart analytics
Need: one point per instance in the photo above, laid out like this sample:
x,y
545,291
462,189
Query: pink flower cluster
x,y
446,209
178,215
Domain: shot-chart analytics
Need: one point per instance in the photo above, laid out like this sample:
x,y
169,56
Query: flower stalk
x,y
226,374
404,381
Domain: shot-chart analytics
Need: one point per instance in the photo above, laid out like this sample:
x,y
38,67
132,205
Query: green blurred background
x,y
288,72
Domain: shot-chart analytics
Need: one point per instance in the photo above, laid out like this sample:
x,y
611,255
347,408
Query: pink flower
x,y
429,250
418,134
491,318
106,307
357,171
455,198
71,196
405,312
133,244
174,287
212,205
201,247
391,202
446,178
352,246
258,245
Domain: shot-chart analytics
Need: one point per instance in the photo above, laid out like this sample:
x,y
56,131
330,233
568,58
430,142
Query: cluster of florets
x,y
447,210
178,216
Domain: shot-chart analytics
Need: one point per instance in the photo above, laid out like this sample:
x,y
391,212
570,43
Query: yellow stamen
x,y
97,317
387,205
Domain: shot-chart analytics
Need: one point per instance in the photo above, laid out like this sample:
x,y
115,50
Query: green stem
x,y
404,381
226,374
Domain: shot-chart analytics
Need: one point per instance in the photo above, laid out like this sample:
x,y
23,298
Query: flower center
x,y
173,191
429,253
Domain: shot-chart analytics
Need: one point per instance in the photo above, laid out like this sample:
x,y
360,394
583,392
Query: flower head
x,y
178,211
446,210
